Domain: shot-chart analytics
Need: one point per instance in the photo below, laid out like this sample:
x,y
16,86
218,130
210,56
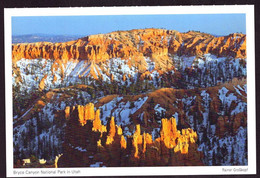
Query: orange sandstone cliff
x,y
134,45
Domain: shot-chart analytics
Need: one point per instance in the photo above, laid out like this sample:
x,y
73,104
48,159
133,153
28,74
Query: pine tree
x,y
232,155
218,155
132,104
152,103
214,163
224,152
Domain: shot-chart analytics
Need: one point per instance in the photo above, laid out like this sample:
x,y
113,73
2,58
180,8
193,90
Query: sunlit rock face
x,y
127,57
94,142
136,44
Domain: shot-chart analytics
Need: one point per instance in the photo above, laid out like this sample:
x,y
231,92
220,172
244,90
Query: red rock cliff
x,y
134,44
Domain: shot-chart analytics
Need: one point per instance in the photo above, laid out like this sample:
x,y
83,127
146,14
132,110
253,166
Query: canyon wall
x,y
135,44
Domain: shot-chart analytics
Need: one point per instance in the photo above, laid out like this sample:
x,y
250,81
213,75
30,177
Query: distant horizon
x,y
215,24
81,35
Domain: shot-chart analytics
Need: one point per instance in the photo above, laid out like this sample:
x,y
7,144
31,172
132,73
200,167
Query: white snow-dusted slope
x,y
208,70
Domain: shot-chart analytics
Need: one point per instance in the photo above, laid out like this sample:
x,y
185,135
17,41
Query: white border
x,y
196,170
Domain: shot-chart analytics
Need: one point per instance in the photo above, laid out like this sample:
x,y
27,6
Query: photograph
x,y
128,90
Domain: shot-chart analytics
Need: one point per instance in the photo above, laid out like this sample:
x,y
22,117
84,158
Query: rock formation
x,y
88,141
134,44
142,77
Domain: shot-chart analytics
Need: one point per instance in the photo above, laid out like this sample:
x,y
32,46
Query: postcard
x,y
130,91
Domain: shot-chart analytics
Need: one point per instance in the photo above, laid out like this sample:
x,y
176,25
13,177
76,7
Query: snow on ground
x,y
234,145
124,110
237,90
97,164
155,133
81,68
126,131
43,129
117,67
176,116
210,57
26,112
107,109
32,71
120,110
78,148
238,143
154,75
241,107
159,109
187,61
141,116
150,64
206,99
244,89
224,98
188,101
213,129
